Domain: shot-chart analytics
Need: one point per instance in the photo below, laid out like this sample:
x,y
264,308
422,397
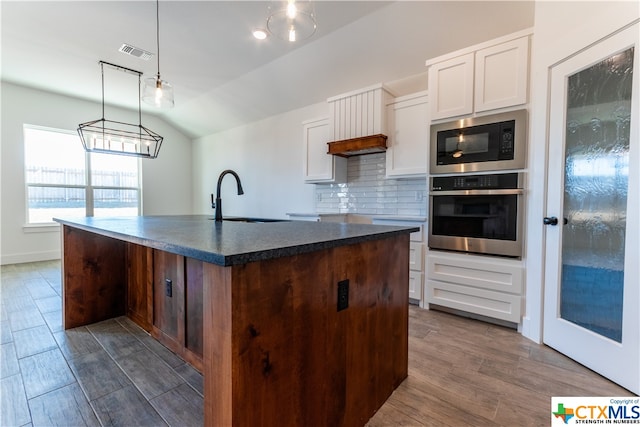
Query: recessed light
x,y
259,33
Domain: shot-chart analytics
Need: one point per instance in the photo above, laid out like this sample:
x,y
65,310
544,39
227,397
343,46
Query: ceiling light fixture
x,y
158,92
112,137
259,33
296,21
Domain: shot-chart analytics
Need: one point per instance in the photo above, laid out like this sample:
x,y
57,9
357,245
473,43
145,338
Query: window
x,y
64,181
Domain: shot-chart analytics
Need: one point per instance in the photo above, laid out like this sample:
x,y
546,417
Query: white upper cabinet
x,y
318,165
502,75
451,87
485,77
408,143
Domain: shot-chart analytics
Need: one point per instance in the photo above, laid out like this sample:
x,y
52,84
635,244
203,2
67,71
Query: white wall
x,y
561,29
268,156
166,180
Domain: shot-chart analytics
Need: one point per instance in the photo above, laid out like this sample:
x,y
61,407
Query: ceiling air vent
x,y
135,51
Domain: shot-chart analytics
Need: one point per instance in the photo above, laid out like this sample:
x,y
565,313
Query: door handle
x,y
552,220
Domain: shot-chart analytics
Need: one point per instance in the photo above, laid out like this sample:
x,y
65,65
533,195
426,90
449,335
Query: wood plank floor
x,y
462,372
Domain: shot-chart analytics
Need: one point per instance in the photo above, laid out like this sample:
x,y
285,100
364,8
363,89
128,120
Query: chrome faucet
x,y
217,205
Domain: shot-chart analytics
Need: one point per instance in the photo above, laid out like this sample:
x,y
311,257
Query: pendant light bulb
x,y
292,34
291,9
158,96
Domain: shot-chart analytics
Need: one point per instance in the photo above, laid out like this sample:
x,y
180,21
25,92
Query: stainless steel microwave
x,y
488,143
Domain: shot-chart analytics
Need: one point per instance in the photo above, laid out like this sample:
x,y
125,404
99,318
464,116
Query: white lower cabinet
x,y
483,285
416,283
416,256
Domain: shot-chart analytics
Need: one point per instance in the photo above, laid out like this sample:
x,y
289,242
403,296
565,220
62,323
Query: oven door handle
x,y
494,192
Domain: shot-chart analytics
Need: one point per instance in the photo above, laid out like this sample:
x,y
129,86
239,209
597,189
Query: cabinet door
x,y
451,87
318,165
408,141
415,256
416,279
168,297
502,75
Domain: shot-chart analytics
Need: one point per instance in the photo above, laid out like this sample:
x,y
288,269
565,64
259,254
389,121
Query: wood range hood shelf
x,y
358,146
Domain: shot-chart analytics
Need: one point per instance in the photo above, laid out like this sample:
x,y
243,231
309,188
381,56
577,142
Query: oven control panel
x,y
476,182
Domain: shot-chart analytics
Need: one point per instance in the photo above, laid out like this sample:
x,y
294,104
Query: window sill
x,y
46,227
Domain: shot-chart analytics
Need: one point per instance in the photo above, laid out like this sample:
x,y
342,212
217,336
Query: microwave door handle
x,y
495,192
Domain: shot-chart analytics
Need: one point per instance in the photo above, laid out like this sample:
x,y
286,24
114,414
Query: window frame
x,y
88,187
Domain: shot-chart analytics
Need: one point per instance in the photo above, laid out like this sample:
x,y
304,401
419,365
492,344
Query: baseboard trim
x,y
29,257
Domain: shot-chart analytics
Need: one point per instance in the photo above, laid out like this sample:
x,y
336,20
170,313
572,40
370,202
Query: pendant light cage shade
x,y
111,137
158,93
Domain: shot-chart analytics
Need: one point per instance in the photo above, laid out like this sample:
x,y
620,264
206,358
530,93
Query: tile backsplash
x,y
368,192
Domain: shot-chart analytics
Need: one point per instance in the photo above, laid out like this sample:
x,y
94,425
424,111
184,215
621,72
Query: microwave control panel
x,y
506,140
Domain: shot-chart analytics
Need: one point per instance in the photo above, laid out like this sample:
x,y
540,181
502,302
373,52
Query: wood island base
x,y
267,335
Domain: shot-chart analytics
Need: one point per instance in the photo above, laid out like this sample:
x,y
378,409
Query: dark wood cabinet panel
x,y
177,319
168,298
193,306
139,285
94,274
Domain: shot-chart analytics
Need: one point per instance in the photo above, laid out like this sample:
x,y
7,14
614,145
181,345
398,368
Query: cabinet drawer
x,y
488,303
415,256
479,272
416,236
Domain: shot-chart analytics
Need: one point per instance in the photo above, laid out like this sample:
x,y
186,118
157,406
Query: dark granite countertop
x,y
230,242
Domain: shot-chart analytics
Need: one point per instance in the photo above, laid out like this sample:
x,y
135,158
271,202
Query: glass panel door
x,y
596,178
591,288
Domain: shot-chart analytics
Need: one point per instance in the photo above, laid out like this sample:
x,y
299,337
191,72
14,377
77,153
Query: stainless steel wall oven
x,y
477,213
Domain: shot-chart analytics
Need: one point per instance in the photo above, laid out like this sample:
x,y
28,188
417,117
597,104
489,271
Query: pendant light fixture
x,y
112,137
158,92
291,21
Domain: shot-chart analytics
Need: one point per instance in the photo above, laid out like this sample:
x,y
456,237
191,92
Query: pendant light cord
x,y
158,35
102,72
139,105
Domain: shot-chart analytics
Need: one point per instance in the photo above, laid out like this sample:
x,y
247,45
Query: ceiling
x,y
222,76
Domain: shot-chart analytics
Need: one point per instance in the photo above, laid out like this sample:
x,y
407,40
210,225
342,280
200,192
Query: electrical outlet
x,y
168,287
343,294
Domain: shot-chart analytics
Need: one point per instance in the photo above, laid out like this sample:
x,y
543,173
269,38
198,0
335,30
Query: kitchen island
x,y
291,323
